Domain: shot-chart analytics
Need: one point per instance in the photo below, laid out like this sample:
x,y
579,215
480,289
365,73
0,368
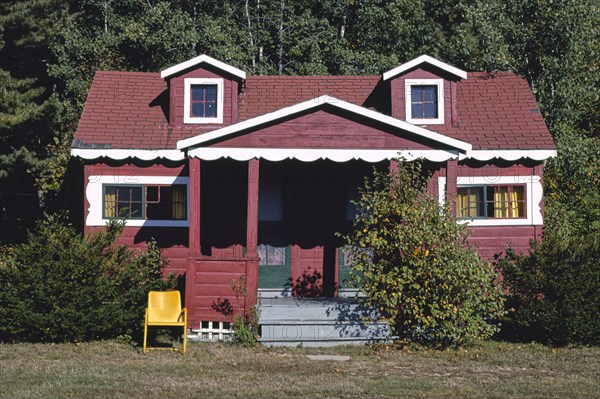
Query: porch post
x,y
451,180
395,172
194,204
252,233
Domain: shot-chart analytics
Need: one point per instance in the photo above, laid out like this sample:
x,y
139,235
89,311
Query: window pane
x,y
417,111
110,202
517,199
430,110
197,92
262,254
179,197
498,197
151,193
136,194
153,211
276,255
271,256
469,202
430,93
198,109
210,110
416,93
210,93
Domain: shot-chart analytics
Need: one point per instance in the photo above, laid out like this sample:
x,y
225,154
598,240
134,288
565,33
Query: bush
x,y
411,260
554,291
61,286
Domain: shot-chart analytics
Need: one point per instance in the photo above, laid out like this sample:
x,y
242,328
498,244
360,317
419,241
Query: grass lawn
x,y
117,370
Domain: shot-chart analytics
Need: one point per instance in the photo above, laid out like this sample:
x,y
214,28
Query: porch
x,y
275,224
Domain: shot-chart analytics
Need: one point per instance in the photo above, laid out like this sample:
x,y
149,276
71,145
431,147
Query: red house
x,y
252,175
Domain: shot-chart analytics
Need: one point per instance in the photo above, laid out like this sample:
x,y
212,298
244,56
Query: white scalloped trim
x,y
120,154
310,155
508,155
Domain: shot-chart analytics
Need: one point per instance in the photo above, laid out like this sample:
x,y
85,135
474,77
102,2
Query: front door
x,y
274,267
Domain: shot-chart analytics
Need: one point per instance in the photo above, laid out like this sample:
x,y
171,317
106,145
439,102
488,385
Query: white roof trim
x,y
509,155
198,60
314,154
424,59
120,154
314,103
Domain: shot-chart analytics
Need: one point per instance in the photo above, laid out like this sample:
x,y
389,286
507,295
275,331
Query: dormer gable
x,y
423,91
203,92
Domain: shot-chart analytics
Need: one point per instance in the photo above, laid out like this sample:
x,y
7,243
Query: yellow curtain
x,y
516,198
501,202
467,201
179,202
110,202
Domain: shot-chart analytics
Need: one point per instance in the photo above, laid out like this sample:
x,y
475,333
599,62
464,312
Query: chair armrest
x,y
183,313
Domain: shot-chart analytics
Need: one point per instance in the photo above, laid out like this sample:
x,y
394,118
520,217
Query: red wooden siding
x,y
493,240
323,129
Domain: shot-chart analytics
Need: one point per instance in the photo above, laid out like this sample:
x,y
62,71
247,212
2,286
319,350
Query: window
x,y
149,202
424,101
491,201
203,100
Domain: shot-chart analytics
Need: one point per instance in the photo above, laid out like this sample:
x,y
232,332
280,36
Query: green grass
x,y
116,370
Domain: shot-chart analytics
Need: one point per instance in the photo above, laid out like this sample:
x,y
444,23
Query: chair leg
x,y
145,337
184,336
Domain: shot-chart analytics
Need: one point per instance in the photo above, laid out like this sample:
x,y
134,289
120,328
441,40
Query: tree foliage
x,y
61,286
554,291
411,260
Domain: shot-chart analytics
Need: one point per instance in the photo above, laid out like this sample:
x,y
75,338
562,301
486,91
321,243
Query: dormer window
x,y
203,100
424,101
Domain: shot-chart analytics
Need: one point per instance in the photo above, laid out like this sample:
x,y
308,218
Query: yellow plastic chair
x,y
164,309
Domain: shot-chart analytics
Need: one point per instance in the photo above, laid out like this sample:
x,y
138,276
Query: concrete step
x,y
319,322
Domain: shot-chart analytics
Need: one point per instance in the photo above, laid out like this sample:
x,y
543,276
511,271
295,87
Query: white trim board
x,y
165,73
310,154
187,100
120,154
428,60
93,194
439,83
316,103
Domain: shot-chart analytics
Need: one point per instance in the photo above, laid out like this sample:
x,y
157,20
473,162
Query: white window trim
x,y
533,195
440,100
93,193
187,83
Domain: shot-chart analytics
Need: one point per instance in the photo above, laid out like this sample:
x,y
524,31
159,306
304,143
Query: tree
x,y
411,261
62,286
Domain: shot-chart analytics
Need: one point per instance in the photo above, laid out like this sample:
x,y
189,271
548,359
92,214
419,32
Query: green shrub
x,y
411,260
61,286
554,292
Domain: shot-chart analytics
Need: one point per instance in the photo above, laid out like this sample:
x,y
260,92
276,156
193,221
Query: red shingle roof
x,y
123,109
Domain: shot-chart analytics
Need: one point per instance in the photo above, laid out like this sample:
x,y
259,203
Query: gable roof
x,y
127,110
315,103
424,59
175,69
